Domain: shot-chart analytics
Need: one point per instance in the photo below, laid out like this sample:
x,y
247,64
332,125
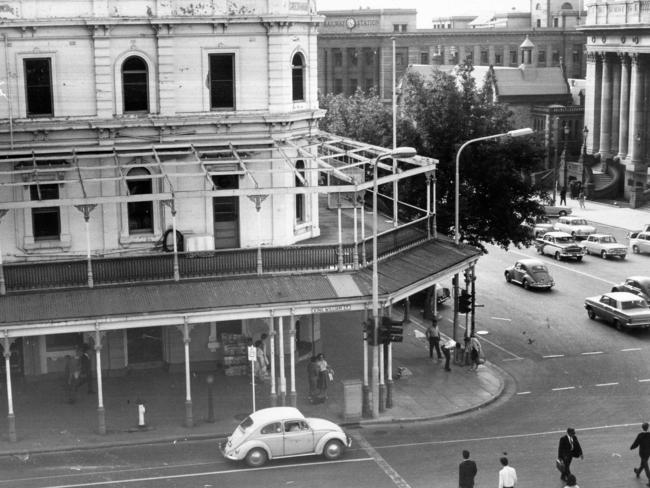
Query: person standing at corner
x,y
568,448
466,471
85,369
581,199
447,349
433,336
312,373
507,475
563,195
642,441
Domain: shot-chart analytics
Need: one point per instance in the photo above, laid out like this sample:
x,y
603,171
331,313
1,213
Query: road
x,y
563,370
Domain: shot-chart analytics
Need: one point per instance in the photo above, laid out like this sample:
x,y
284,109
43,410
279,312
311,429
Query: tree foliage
x,y
438,113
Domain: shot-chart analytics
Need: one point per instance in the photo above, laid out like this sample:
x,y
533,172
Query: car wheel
x,y
334,449
635,249
623,256
558,257
579,258
256,457
562,213
590,313
603,254
540,250
508,277
588,252
526,285
618,325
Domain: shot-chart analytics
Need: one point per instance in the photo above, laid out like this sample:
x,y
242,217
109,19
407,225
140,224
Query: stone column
x,y
279,67
186,329
616,104
103,71
345,71
636,111
11,418
101,416
592,101
605,108
624,106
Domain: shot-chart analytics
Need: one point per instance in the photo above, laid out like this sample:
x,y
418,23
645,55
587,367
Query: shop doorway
x,y
144,346
226,213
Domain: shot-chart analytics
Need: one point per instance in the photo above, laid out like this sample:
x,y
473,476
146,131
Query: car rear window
x,y
538,268
245,424
634,304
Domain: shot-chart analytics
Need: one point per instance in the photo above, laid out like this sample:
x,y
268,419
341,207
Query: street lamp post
x,y
512,133
210,381
399,152
566,165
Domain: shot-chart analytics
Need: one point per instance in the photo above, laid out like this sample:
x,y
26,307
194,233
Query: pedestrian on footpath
x,y
262,361
466,471
581,199
507,475
642,441
563,195
447,349
571,482
433,336
85,369
475,352
312,373
325,375
568,448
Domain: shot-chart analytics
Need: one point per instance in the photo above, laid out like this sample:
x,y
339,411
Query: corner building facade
x,y
618,80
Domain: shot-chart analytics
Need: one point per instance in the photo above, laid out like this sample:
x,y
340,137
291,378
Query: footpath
x,y
46,422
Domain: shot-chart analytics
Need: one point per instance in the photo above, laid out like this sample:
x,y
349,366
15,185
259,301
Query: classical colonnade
x,y
615,111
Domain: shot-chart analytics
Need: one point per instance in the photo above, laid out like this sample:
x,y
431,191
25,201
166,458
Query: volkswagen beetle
x,y
282,432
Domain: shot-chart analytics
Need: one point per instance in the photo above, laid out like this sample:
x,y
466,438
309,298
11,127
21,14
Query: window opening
x,y
140,213
135,85
298,78
222,81
38,87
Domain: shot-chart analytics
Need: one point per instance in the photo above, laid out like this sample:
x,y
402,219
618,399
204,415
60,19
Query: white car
x,y
281,432
576,226
640,242
604,245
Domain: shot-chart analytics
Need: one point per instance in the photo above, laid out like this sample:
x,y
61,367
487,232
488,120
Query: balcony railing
x,y
208,264
623,12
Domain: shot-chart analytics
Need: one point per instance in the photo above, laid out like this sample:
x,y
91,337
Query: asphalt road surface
x,y
563,369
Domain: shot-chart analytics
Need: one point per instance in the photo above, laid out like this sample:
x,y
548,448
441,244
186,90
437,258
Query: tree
x,y
438,114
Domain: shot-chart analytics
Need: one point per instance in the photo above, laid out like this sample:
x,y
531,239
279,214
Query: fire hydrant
x,y
141,411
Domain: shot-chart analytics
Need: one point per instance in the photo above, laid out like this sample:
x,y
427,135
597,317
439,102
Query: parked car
x,y
560,245
529,273
556,210
622,309
604,245
640,243
576,226
536,226
281,432
639,285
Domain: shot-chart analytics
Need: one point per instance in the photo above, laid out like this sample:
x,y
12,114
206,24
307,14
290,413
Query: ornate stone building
x,y
618,79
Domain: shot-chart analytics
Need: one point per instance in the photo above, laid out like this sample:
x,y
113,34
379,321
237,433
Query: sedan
x,y
604,245
536,226
640,242
624,310
529,273
576,226
281,432
639,285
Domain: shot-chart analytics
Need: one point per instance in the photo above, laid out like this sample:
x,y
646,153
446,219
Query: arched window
x,y
140,213
567,6
135,85
298,78
300,197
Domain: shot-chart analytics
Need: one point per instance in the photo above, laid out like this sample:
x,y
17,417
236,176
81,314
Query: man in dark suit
x,y
466,471
568,449
642,441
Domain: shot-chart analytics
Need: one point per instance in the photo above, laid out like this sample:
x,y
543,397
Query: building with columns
x,y
618,78
166,196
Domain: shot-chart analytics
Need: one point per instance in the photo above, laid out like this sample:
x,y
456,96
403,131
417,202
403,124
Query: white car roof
x,y
276,413
624,296
558,233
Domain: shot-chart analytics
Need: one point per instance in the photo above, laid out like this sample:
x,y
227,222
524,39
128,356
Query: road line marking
x,y
591,353
606,384
202,474
553,356
644,381
513,359
631,349
501,318
523,393
381,462
564,388
573,270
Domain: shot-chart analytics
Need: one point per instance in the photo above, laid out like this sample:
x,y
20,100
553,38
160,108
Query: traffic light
x,y
392,330
465,302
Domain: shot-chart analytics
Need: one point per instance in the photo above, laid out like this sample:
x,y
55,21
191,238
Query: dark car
x,y
529,273
639,285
